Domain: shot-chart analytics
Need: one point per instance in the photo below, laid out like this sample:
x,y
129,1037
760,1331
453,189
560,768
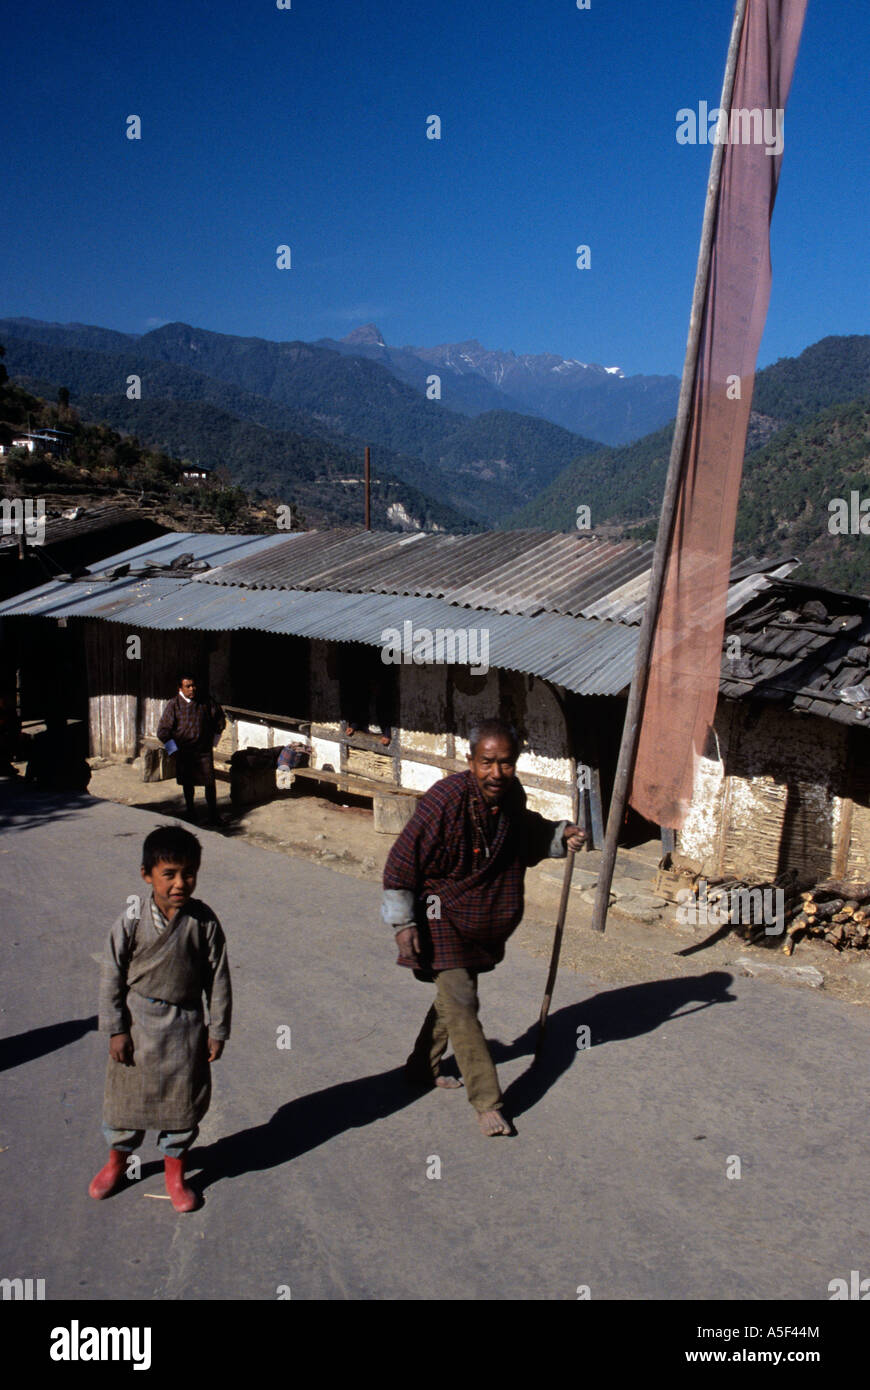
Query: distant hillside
x,y
784,498
468,393
292,418
99,466
832,371
498,459
626,485
320,482
788,485
583,397
618,485
319,402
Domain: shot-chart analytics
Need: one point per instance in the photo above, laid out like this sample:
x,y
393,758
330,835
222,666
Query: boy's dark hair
x,y
171,844
187,673
492,728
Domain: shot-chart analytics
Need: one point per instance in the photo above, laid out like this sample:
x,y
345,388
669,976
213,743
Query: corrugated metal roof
x,y
215,550
584,655
59,528
381,581
744,590
507,572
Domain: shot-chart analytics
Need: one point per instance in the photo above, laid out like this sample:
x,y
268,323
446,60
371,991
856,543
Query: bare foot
x,y
492,1122
446,1083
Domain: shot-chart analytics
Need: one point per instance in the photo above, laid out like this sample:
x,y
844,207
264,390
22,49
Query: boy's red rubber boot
x,y
108,1177
183,1197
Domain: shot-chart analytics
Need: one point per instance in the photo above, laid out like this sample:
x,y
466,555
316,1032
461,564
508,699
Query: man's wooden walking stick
x,y
557,940
554,957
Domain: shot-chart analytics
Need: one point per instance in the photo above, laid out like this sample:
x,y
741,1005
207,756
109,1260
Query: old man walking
x,y
453,894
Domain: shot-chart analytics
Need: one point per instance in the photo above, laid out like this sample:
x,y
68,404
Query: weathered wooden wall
x,y
113,691
127,693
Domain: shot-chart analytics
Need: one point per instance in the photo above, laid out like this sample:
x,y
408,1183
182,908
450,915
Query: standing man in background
x,y
190,728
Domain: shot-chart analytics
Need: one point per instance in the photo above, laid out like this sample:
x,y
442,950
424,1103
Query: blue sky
x,y
307,127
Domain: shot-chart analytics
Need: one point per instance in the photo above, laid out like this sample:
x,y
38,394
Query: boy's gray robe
x,y
151,986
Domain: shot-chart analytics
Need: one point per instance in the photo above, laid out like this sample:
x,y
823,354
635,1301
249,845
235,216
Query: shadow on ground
x,y
611,1016
309,1121
38,1042
22,806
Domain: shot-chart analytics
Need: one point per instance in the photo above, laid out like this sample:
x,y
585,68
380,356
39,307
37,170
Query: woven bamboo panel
x,y
772,826
753,827
858,863
365,763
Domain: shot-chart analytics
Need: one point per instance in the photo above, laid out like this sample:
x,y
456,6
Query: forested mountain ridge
x,y
626,485
598,403
324,487
97,466
302,432
789,491
786,496
316,398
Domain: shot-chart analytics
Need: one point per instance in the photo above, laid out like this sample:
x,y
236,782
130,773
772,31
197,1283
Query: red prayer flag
x,y
680,701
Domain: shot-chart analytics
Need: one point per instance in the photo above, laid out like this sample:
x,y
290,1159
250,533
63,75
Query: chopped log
x,y
794,933
824,910
841,889
817,900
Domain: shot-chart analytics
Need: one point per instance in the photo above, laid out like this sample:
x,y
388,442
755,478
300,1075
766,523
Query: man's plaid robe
x,y
193,724
464,861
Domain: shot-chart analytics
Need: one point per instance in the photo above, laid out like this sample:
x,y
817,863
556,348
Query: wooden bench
x,y
393,806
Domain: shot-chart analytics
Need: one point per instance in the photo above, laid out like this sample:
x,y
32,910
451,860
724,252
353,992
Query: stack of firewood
x,y
723,896
835,910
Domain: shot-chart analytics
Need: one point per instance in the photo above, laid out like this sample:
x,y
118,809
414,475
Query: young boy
x,y
160,959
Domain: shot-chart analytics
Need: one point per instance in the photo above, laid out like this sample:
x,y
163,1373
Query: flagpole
x,y
631,727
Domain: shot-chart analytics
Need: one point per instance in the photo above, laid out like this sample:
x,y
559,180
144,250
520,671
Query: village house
x,y
374,653
784,782
197,476
45,440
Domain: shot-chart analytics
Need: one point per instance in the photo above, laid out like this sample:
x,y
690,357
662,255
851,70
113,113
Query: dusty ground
x,y
339,832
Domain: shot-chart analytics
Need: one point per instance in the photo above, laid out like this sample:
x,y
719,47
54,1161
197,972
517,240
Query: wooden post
x,y
596,809
584,820
368,488
631,728
844,838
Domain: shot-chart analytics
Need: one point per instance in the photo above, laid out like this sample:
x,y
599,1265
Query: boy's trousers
x,y
173,1143
453,1017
